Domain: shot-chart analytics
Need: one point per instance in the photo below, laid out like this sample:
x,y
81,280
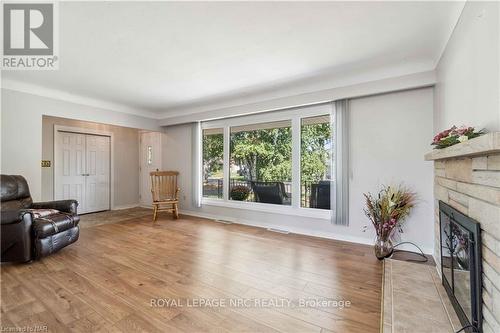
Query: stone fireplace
x,y
467,178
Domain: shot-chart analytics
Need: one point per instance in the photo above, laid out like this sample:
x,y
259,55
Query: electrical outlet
x,y
363,229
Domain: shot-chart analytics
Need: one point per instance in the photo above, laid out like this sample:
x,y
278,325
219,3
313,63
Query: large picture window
x,y
280,161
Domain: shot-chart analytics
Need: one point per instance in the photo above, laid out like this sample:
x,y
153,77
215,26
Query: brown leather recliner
x,y
25,237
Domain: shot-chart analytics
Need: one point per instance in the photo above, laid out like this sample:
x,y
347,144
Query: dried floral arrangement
x,y
388,209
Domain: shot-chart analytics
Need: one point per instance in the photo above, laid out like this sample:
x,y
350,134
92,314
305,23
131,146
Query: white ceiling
x,y
164,58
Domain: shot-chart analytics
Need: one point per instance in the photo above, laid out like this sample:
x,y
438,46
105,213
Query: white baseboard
x,y
120,207
345,238
300,231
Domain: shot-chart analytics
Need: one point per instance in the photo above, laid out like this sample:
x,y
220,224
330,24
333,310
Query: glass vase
x,y
383,248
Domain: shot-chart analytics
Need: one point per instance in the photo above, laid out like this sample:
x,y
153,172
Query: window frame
x,y
295,115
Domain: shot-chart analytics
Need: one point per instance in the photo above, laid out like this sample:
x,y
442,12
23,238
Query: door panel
x,y
82,170
98,173
69,167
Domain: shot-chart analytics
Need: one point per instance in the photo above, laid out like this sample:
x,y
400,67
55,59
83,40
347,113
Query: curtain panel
x,y
340,156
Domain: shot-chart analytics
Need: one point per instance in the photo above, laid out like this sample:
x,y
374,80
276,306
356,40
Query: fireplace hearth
x,y
461,265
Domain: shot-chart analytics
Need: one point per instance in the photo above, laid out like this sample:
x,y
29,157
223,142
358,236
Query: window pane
x,y
213,161
315,162
261,162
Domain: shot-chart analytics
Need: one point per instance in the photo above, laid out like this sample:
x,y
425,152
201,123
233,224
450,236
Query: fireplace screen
x,y
461,264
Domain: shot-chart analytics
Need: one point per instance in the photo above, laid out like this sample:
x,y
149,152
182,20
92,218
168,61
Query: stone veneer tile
x,y
486,214
490,242
459,197
491,321
480,163
493,260
496,303
486,193
489,178
487,300
491,274
439,173
487,285
459,169
487,328
461,208
441,193
448,183
494,162
438,165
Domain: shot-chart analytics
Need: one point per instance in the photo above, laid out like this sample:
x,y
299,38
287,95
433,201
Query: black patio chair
x,y
269,192
320,195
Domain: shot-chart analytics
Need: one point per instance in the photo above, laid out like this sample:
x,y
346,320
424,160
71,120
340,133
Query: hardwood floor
x,y
107,281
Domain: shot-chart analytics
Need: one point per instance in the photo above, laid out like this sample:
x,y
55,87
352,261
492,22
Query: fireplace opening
x,y
461,265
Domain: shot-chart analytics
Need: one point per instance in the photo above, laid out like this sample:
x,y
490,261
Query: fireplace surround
x,y
467,178
461,265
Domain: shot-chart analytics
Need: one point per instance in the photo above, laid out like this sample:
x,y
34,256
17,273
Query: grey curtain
x,y
197,164
341,162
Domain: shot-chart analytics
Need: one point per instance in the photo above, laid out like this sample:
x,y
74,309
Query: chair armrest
x,y
67,206
11,216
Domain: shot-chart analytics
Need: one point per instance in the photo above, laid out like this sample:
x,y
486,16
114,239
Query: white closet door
x,y
70,167
98,173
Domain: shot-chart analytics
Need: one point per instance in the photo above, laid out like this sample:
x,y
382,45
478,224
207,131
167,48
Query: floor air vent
x,y
286,232
223,221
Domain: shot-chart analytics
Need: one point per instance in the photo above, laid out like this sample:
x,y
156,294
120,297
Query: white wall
x,y
125,165
389,134
21,125
468,73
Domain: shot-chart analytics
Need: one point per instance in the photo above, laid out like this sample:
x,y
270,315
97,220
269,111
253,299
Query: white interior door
x,y
70,167
97,189
83,170
150,160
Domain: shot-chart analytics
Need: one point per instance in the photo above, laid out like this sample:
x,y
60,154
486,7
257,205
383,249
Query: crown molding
x,y
57,94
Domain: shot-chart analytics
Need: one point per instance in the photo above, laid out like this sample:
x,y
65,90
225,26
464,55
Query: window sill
x,y
271,208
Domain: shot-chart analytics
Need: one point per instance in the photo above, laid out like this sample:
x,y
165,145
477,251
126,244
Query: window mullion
x,y
296,162
225,192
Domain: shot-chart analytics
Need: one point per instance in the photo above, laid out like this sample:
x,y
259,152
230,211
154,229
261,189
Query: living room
x,y
250,166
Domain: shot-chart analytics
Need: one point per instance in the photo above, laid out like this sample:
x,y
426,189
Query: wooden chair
x,y
165,192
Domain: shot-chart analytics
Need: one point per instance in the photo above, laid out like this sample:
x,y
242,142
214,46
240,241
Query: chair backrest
x,y
320,195
14,192
269,192
164,185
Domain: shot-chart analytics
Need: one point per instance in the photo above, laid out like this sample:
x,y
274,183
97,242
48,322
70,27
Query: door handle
x,y
85,174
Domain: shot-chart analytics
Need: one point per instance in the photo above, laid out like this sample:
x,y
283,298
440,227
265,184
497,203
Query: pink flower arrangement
x,y
454,135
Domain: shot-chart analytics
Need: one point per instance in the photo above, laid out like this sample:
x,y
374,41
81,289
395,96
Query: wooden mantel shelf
x,y
483,145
